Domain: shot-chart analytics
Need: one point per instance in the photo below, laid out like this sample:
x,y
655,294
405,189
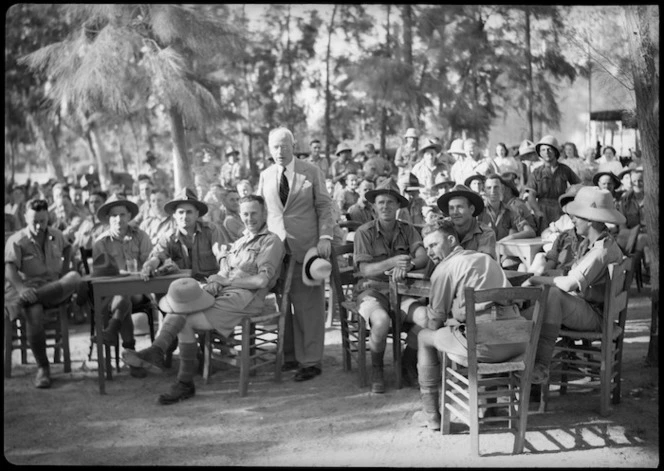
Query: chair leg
x,y
9,334
544,398
207,356
524,401
23,340
615,398
605,377
362,352
64,336
473,412
245,357
345,340
444,411
396,348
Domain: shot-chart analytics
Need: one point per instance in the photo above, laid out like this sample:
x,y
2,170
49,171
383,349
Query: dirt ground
x,y
328,421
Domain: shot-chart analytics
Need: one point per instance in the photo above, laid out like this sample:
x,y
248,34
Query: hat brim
x,y
468,181
372,194
474,199
172,205
204,301
343,150
537,148
102,212
309,258
607,216
438,186
599,175
436,147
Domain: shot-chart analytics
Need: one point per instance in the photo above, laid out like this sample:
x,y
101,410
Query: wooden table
x,y
104,287
525,249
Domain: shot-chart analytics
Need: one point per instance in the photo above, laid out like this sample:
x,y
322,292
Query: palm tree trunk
x,y
181,165
46,148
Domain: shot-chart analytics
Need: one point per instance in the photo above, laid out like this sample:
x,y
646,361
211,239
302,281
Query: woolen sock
x,y
428,376
188,362
38,347
168,333
377,358
547,343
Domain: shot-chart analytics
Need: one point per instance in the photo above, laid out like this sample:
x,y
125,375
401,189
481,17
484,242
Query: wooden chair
x,y
56,325
260,338
353,326
354,330
578,356
461,388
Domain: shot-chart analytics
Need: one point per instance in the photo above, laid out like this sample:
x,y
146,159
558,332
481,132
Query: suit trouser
x,y
304,337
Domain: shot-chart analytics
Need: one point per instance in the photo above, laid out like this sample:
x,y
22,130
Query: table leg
x,y
99,327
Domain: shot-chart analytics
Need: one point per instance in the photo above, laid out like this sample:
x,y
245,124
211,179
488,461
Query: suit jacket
x,y
307,214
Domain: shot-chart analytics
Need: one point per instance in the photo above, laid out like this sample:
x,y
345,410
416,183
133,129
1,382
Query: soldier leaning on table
x,y
124,243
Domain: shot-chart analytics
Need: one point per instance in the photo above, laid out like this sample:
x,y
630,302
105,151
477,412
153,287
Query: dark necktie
x,y
283,187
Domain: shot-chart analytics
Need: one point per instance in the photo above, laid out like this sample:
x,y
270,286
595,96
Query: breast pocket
x,y
207,261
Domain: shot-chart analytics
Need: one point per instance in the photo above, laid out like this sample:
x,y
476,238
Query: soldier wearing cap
x,y
549,181
468,163
576,300
406,155
362,211
462,205
159,177
385,244
124,243
231,170
505,222
561,242
317,158
343,165
428,168
410,188
192,244
608,181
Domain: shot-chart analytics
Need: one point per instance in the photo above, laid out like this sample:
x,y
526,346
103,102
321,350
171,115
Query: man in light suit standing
x,y
300,213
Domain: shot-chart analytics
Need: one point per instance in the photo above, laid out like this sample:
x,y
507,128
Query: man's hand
x,y
402,261
28,295
220,280
324,248
146,272
399,273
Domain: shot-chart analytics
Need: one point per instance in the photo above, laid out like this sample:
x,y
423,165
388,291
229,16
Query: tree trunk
x,y
529,64
181,165
644,46
46,148
411,121
328,95
99,151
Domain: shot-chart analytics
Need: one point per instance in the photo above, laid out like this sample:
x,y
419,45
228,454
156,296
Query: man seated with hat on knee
x,y
247,272
38,276
382,245
126,245
576,299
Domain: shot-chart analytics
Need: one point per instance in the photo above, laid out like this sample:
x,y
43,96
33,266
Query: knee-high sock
x,y
188,362
429,377
546,344
168,332
38,346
